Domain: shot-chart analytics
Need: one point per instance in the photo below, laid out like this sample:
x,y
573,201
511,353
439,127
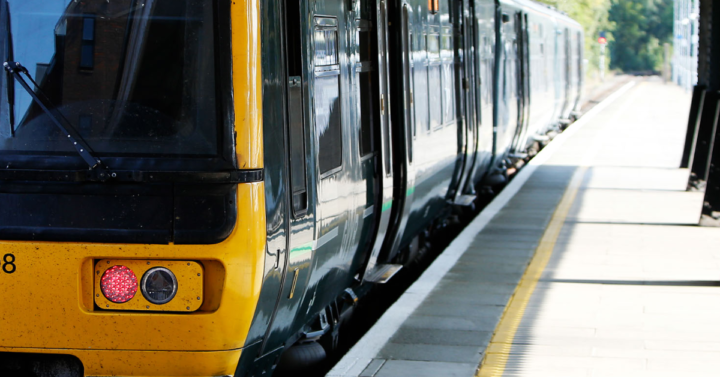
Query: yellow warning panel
x,y
148,285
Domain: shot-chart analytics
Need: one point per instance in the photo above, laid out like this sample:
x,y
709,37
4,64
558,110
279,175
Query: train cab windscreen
x,y
133,78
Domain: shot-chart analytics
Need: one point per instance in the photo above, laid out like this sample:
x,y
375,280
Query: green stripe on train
x,y
387,205
302,249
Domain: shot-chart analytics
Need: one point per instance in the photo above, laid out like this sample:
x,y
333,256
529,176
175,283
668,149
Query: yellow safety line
x,y
498,351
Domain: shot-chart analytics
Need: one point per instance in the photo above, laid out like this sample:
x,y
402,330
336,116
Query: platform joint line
x,y
498,351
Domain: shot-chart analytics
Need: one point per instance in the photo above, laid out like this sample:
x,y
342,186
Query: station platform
x,y
589,263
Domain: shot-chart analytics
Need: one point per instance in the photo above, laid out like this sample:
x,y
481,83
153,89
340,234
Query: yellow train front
x,y
131,196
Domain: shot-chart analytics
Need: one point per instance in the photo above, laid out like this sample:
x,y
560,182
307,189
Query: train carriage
x,y
208,187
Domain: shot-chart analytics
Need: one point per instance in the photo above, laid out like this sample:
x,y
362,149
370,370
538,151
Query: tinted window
x,y
6,88
448,91
328,126
327,122
87,51
433,46
297,143
434,81
366,76
421,84
325,47
407,73
131,79
448,94
434,93
367,113
385,102
295,119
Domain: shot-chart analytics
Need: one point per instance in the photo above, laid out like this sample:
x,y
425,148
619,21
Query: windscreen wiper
x,y
16,69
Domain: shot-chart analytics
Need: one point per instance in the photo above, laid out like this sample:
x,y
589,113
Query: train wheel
x,y
301,357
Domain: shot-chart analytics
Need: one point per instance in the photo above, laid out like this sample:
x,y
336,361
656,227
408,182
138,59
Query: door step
x,y
565,123
464,200
382,273
541,138
518,156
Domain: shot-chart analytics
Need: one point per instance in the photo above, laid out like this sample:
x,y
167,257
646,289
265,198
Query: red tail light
x,y
119,284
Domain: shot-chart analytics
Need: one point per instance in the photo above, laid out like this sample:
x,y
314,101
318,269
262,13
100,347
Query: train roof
x,y
545,10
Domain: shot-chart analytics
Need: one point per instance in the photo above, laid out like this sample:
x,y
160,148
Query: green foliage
x,y
639,29
593,16
635,29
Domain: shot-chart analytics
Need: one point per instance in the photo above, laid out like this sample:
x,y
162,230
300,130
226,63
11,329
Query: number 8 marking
x,y
9,263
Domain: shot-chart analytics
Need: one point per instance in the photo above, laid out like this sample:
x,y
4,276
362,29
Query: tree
x,y
593,16
639,30
636,30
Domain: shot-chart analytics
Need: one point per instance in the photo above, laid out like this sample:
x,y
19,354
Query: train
x,y
209,187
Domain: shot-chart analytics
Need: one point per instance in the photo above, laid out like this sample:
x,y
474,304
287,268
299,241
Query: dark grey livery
x,y
381,117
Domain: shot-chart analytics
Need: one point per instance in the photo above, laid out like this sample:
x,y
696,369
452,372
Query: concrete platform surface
x,y
629,286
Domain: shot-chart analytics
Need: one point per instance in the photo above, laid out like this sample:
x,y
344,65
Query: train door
x,y
336,161
367,88
566,63
375,270
326,162
409,126
558,73
580,70
523,87
294,265
403,126
464,53
573,77
527,82
484,25
506,86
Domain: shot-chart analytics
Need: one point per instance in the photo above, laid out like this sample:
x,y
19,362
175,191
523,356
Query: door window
x,y
328,119
366,76
448,95
434,81
407,80
295,121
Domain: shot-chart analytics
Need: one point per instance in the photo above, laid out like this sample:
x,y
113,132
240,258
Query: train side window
x,y
447,47
296,133
448,95
365,72
408,78
295,121
328,119
434,80
422,83
328,123
412,75
579,56
433,47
